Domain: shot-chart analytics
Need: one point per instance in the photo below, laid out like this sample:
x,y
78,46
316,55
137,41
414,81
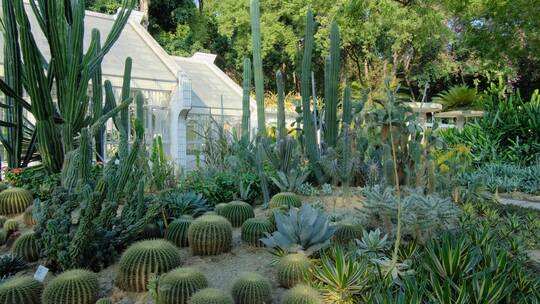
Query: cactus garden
x,y
373,157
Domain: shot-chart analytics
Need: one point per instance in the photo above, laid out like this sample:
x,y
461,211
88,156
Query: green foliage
x,y
307,229
459,97
176,203
210,235
373,244
211,296
346,233
292,269
503,178
10,265
285,200
177,231
237,212
291,181
14,201
302,294
162,169
254,229
20,290
25,246
252,288
144,259
178,285
35,179
75,286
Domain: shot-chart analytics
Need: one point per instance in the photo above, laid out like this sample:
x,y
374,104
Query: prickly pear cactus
x,y
252,288
76,286
254,229
21,290
292,269
237,212
14,201
285,200
210,235
178,285
26,247
211,296
144,259
177,231
302,294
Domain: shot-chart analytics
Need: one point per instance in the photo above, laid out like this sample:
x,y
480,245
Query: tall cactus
x,y
281,130
246,111
347,107
257,66
310,136
331,88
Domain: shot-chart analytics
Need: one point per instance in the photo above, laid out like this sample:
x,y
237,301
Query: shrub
x,y
178,285
252,288
210,235
21,290
10,265
144,259
346,233
26,247
302,294
285,199
292,269
211,296
254,229
74,286
177,231
178,203
237,212
14,201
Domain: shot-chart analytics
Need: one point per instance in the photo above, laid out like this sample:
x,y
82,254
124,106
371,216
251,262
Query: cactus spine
x,y
75,286
210,235
211,296
331,87
292,269
254,229
177,231
246,110
21,290
281,128
144,259
26,247
237,212
177,286
257,66
252,288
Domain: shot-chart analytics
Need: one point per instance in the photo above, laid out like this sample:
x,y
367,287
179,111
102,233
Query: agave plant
x,y
178,203
10,265
373,244
307,229
290,182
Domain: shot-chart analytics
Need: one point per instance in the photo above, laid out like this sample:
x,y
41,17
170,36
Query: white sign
x,y
41,273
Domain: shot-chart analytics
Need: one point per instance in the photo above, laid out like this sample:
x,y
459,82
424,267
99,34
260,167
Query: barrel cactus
x,y
11,226
177,231
26,247
252,288
292,269
219,207
237,212
14,201
178,285
347,232
150,231
104,301
254,229
210,235
285,199
21,290
144,259
28,216
3,219
302,294
211,296
76,286
3,236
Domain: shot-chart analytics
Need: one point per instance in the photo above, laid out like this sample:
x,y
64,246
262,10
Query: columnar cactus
x,y
219,208
252,288
104,301
28,216
302,294
292,269
177,231
211,296
11,226
258,66
285,199
210,235
246,101
14,201
254,229
76,286
21,290
237,212
281,125
144,259
26,247
347,232
177,286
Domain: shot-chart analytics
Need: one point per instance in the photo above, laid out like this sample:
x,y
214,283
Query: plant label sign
x,y
41,273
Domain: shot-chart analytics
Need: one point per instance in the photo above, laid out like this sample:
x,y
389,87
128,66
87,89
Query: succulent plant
x,y
28,216
211,296
346,233
237,212
178,285
254,229
14,201
373,243
104,301
150,231
11,225
210,235
26,247
302,294
285,199
307,229
272,214
10,265
177,231
76,286
3,236
252,288
219,207
3,219
144,259
21,290
177,203
292,269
